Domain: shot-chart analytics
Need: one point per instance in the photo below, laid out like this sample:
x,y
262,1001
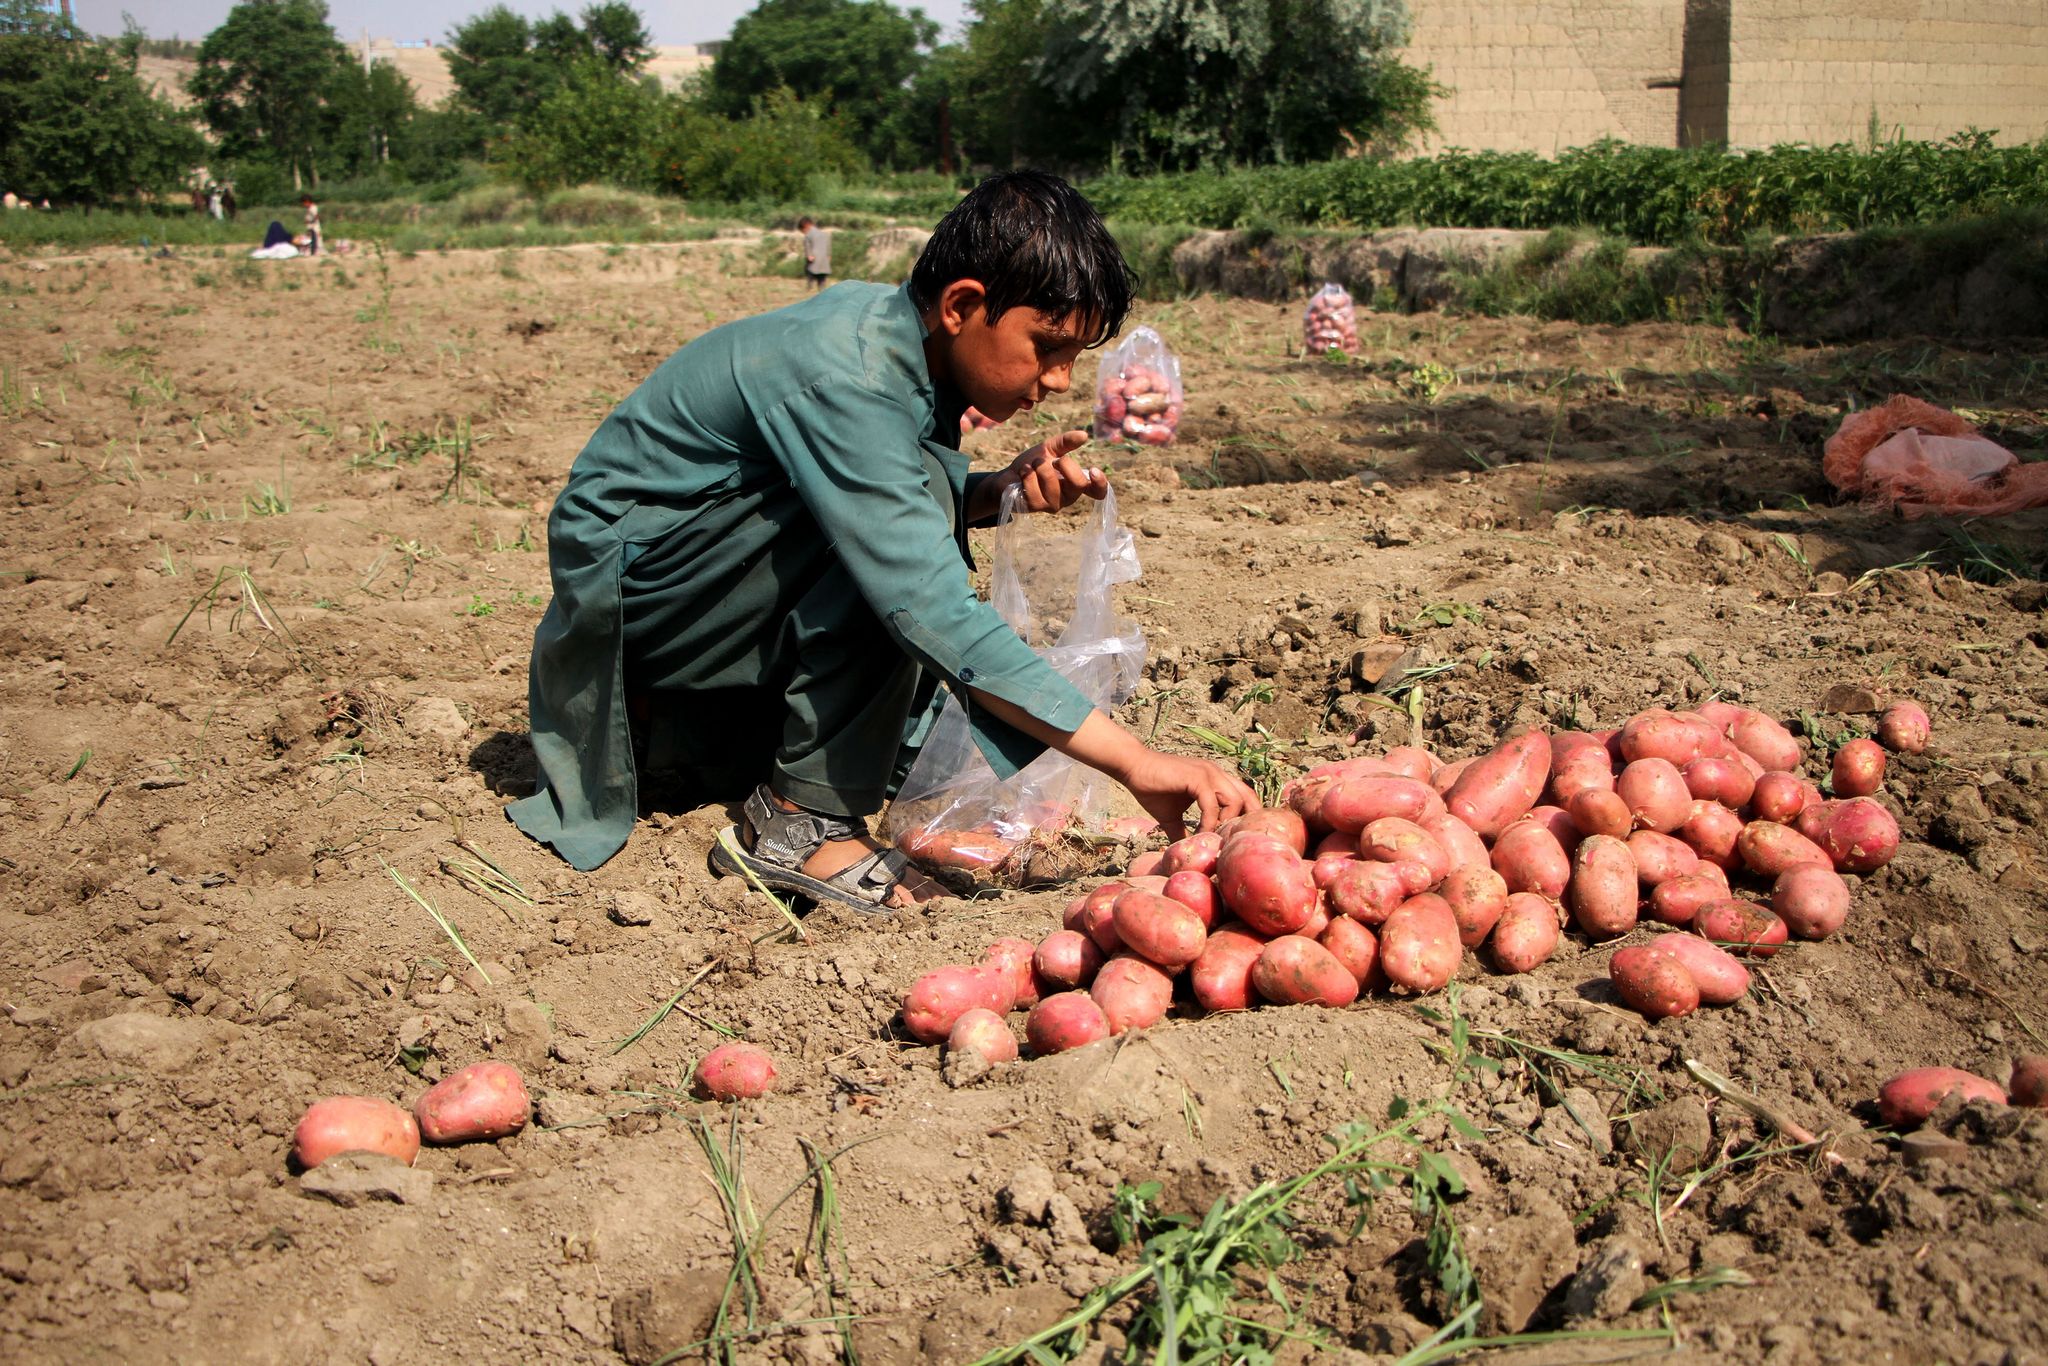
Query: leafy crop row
x,y
1647,194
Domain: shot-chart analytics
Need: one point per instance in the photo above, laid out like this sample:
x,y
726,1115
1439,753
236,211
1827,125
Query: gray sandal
x,y
783,840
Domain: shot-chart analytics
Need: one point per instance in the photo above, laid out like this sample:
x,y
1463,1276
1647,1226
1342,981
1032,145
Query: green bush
x,y
773,154
598,206
493,203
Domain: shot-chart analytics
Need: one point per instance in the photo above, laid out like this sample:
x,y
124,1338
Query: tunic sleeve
x,y
852,455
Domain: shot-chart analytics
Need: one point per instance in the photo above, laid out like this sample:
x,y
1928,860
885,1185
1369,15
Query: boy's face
x,y
1013,365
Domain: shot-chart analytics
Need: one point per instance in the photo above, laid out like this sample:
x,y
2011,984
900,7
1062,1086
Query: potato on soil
x,y
1465,847
1159,929
1327,868
1578,763
1603,894
1502,785
1653,982
983,1033
1066,960
1146,864
1353,945
1599,811
1658,734
1526,934
1064,1020
1133,993
1079,907
1266,884
1275,821
1858,768
1353,803
1447,777
1197,892
737,1071
482,1101
1719,975
1559,823
1419,946
1530,859
1741,927
1660,858
1655,793
1222,976
1910,1097
1391,839
1777,797
1476,896
1859,835
1678,901
1765,741
1711,832
938,999
1012,956
1768,849
1904,727
1719,780
1812,901
1294,970
2029,1085
347,1124
1368,892
1412,761
1195,854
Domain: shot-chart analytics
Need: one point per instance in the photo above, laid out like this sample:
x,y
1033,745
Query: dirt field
x,y
273,556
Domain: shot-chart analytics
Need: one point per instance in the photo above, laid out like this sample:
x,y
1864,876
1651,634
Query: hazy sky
x,y
679,21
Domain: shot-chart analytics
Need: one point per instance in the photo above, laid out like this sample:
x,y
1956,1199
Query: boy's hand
x,y
1052,478
1167,784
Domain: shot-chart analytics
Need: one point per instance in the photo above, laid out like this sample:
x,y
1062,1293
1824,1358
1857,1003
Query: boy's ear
x,y
959,303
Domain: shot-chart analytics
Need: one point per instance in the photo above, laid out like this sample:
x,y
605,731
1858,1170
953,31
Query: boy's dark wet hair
x,y
1032,241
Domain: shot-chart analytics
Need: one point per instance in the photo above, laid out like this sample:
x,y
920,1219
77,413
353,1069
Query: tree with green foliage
x,y
772,153
263,80
859,56
77,125
369,114
505,66
594,127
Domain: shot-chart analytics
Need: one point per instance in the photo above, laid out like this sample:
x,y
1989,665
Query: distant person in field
x,y
761,573
227,201
817,252
10,200
213,202
312,225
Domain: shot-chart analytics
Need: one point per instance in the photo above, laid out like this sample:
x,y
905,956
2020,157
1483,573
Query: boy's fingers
x,y
1206,800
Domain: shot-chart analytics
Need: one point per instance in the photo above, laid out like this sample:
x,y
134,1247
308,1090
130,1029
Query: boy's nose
x,y
1058,381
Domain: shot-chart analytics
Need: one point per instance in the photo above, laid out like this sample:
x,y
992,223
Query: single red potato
x,y
1065,961
1146,864
1678,901
1578,763
483,1101
1529,859
1660,858
1711,832
1353,945
1294,970
1279,822
1717,973
1559,823
1465,847
1368,892
1858,768
1812,901
1067,1019
1777,797
1013,956
1419,946
1714,743
1904,727
1391,839
1195,854
1719,715
1765,741
1476,896
1326,868
1353,803
1445,778
1603,894
1266,884
1159,929
1133,993
1526,933
1653,982
736,1071
1411,761
1657,734
1599,811
938,999
1197,892
1910,1097
1501,786
1655,793
2029,1085
1719,780
1222,976
1741,927
1078,909
1768,849
1859,835
983,1032
347,1124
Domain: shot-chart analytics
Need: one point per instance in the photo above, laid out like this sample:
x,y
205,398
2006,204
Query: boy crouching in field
x,y
760,560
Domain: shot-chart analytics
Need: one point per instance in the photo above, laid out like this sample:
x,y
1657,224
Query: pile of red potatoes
x,y
1380,873
481,1102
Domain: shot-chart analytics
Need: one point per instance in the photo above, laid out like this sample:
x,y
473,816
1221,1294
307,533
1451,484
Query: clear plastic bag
x,y
1053,580
1329,323
1138,394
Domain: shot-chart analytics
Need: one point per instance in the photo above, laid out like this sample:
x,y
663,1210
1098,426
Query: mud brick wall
x,y
1543,75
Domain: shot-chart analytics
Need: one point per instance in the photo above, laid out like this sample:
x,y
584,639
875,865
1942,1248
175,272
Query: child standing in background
x,y
312,225
817,251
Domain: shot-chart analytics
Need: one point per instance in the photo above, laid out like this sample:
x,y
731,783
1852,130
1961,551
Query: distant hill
x,y
674,63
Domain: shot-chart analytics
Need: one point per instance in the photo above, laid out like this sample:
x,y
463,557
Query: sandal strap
x,y
790,837
872,877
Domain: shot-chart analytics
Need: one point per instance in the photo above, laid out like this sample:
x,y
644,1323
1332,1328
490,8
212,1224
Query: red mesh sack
x,y
1921,459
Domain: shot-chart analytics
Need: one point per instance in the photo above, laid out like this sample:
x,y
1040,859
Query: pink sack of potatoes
x,y
1921,459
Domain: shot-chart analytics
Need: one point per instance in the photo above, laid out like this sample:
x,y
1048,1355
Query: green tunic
x,y
764,546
